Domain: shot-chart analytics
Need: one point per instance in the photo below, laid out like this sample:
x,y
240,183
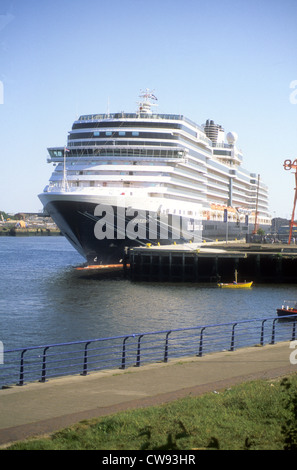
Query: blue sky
x,y
226,60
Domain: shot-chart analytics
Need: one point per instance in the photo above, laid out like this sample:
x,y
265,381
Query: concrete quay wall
x,y
210,264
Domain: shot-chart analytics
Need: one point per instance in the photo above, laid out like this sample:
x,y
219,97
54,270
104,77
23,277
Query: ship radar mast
x,y
289,165
144,106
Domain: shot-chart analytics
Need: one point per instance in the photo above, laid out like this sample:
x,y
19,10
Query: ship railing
x,y
107,189
161,153
150,116
41,363
222,145
133,150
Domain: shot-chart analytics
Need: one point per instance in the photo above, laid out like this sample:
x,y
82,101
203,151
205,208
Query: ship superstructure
x,y
126,179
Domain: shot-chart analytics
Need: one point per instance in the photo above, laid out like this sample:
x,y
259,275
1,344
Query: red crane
x,y
288,165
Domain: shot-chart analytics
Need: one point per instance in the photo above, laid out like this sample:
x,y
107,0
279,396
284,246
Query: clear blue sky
x,y
226,60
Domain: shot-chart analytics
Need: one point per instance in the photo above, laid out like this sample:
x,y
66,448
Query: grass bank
x,y
260,415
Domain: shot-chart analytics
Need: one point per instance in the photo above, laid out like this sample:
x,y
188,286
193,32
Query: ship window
x,y
135,133
56,153
96,134
121,133
108,133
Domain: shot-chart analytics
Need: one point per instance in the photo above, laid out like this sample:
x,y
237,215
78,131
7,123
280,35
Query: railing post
x,y
166,347
232,337
138,352
273,331
201,342
85,368
43,372
124,353
262,333
293,330
21,381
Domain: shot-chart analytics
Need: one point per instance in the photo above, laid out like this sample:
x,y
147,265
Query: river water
x,y
44,301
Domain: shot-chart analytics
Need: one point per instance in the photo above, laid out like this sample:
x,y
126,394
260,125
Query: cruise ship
x,y
130,179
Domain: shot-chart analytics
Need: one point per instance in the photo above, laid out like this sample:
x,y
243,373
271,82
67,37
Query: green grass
x,y
258,415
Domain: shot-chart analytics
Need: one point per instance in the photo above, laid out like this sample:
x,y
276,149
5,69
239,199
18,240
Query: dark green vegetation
x,y
260,415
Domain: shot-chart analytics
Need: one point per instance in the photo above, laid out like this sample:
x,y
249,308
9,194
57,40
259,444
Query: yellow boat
x,y
235,284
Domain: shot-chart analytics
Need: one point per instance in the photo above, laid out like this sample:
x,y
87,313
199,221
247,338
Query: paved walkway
x,y
40,408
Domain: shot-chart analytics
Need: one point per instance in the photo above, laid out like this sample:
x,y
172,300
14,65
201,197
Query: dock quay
x,y
214,262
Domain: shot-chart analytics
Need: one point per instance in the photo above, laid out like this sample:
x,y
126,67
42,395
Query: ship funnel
x,y
212,130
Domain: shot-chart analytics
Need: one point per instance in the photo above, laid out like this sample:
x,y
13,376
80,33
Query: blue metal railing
x,y
81,357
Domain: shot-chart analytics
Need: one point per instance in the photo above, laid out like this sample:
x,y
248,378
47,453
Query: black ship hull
x,y
107,242
103,242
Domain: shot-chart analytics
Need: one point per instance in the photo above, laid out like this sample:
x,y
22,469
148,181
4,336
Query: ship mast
x,y
65,186
144,106
288,165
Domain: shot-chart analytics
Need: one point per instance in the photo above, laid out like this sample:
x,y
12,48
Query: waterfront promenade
x,y
39,408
